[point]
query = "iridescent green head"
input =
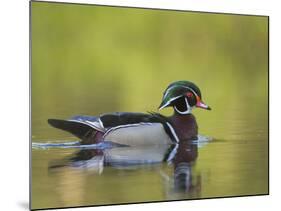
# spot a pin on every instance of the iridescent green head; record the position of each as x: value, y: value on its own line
x: 183, y: 96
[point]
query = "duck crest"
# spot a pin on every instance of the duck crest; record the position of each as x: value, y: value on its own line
x: 185, y: 126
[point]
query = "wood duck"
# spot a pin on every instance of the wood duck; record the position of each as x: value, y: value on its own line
x: 142, y: 128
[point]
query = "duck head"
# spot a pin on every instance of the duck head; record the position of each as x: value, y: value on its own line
x: 183, y: 96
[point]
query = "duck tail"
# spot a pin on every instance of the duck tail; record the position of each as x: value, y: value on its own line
x: 78, y: 129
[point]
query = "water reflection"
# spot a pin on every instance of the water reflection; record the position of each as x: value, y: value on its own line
x: 181, y: 156
x: 184, y: 161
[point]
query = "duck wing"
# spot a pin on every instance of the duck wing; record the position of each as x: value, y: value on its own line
x: 84, y: 127
x: 110, y: 120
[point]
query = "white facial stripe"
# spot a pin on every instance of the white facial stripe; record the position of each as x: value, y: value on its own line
x: 187, y: 104
x: 181, y: 86
x: 188, y: 111
x: 188, y: 108
x: 169, y: 101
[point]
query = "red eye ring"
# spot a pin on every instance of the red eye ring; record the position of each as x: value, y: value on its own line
x: 189, y: 94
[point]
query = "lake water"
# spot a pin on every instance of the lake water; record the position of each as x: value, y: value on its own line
x: 217, y: 167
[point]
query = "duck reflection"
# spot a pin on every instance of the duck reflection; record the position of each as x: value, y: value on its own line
x: 183, y: 162
x: 181, y: 156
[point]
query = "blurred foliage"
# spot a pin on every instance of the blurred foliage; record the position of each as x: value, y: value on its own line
x: 94, y: 59
x: 97, y: 59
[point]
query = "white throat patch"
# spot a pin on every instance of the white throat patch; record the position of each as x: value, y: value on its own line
x: 188, y: 108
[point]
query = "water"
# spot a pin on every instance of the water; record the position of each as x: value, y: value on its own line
x: 70, y: 175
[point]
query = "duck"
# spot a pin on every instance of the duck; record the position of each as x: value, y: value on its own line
x: 134, y: 129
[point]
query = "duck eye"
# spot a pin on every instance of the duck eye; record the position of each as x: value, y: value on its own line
x: 189, y: 94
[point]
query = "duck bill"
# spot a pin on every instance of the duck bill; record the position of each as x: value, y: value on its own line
x: 200, y: 104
